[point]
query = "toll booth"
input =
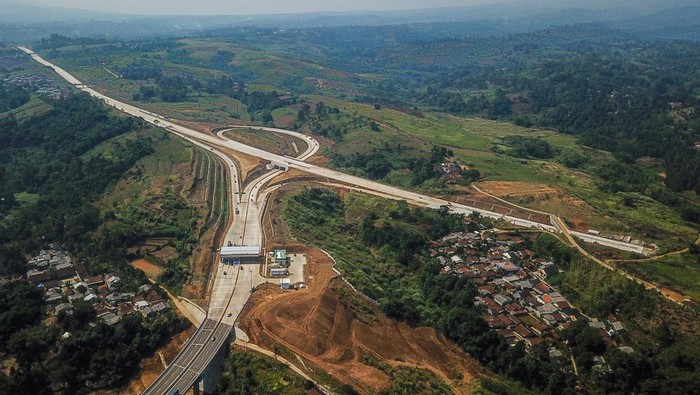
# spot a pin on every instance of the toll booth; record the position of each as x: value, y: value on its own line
x: 233, y: 255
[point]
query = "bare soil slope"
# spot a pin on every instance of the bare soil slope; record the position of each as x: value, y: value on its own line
x: 319, y: 327
x: 546, y: 198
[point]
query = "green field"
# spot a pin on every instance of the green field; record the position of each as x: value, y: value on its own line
x: 471, y: 139
x: 269, y: 141
x: 34, y: 106
x: 23, y: 198
x: 681, y: 272
x: 252, y: 373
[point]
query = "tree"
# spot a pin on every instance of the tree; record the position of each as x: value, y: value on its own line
x: 277, y: 350
x: 500, y: 105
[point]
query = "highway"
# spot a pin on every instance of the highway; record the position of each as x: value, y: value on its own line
x: 368, y: 186
x: 229, y: 293
x: 353, y: 181
x: 202, y: 347
x: 232, y: 285
x: 312, y: 144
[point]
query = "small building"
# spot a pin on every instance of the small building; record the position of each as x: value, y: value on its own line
x: 280, y: 258
x: 279, y: 272
x: 53, y: 296
x: 95, y: 280
x: 82, y: 272
x: 76, y: 296
x: 547, y: 308
x: 38, y: 276
x: 548, y: 269
x: 160, y: 306
x: 112, y: 282
x: 153, y: 297
x: 597, y: 324
x: 626, y: 349
x: 286, y: 284
x: 502, y: 300
x: 146, y: 311
x: 232, y: 255
x: 64, y: 271
x: 66, y: 308
x: 144, y: 288
x: 110, y: 318
x: 125, y: 308
x: 522, y: 332
x: 554, y: 353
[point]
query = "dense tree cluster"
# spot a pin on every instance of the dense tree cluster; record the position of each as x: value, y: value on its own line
x: 87, y: 359
x: 49, y: 155
x: 44, y: 155
x: 248, y: 374
x: 602, y: 94
x: 665, y: 360
x: 528, y: 147
x: 57, y: 41
x: 381, y: 161
x: 12, y: 97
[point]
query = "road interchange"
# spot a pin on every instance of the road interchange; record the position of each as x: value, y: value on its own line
x: 229, y: 292
x: 350, y: 180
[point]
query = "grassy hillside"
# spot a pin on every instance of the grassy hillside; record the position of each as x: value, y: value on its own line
x: 582, y: 182
x: 250, y: 373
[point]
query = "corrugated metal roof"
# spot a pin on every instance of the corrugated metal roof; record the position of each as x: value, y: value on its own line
x: 240, y: 251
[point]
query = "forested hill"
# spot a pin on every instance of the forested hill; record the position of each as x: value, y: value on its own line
x: 42, y: 157
x: 615, y: 89
x: 634, y: 98
x: 52, y: 169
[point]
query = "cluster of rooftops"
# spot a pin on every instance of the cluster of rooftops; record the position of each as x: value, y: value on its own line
x: 517, y: 300
x: 65, y: 282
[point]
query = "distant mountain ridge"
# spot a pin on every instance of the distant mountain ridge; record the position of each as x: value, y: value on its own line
x: 675, y: 19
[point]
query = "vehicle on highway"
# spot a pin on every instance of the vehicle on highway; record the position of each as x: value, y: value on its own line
x: 213, y: 338
x: 175, y: 391
x: 229, y: 314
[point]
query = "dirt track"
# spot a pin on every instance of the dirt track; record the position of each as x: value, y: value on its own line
x: 316, y: 326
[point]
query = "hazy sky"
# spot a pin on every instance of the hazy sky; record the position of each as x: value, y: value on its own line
x: 211, y: 7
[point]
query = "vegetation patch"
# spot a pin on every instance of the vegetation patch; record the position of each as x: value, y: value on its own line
x: 679, y: 271
x: 406, y: 379
x: 57, y: 184
x: 381, y: 248
x: 249, y: 373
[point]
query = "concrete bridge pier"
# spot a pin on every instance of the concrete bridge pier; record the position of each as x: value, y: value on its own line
x: 207, y: 382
